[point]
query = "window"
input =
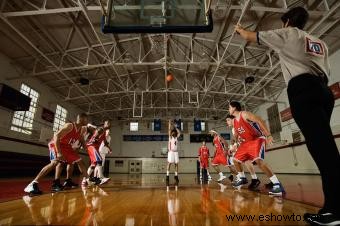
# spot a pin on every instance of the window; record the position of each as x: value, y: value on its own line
x: 274, y: 121
x: 202, y: 126
x: 134, y: 126
x: 59, y: 118
x: 23, y: 120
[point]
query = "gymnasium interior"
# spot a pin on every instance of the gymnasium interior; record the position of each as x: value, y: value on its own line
x: 103, y: 58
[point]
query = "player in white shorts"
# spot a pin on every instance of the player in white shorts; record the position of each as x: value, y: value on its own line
x: 173, y: 158
x: 104, y: 150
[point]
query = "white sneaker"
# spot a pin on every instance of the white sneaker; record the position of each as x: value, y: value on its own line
x: 209, y: 177
x: 29, y: 187
x: 221, y: 178
x: 201, y: 177
x: 104, y: 180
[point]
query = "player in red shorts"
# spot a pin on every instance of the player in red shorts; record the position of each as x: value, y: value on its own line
x: 221, y: 156
x: 93, y: 145
x: 203, y: 158
x: 61, y: 150
x: 255, y: 182
x: 252, y: 146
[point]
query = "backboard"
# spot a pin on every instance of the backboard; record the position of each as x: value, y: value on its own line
x: 157, y: 16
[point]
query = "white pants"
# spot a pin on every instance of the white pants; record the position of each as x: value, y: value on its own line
x: 173, y: 157
x: 103, y: 158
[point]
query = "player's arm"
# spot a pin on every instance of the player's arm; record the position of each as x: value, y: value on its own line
x: 169, y: 130
x: 249, y: 36
x: 106, y: 140
x: 61, y: 133
x: 178, y: 132
x: 82, y: 135
x: 250, y: 116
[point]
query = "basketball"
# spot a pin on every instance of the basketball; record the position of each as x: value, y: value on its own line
x: 169, y: 77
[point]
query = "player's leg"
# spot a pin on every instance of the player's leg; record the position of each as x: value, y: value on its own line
x: 241, y: 177
x: 277, y: 186
x: 176, y: 160
x: 33, y: 187
x: 56, y: 185
x: 99, y: 169
x: 82, y: 169
x: 255, y: 182
x: 171, y: 160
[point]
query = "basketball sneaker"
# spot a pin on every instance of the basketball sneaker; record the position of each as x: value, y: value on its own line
x: 33, y: 188
x: 69, y: 184
x: 231, y: 178
x: 269, y: 185
x: 97, y: 180
x: 222, y: 177
x: 254, y: 184
x: 322, y: 219
x: 240, y: 181
x: 104, y: 180
x: 56, y: 186
x: 277, y: 190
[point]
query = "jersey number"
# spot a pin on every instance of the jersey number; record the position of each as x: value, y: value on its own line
x: 240, y: 130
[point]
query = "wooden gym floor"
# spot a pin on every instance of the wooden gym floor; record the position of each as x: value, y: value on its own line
x: 145, y: 200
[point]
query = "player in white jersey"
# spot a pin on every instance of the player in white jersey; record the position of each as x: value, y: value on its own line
x: 173, y: 158
x: 305, y: 67
x: 103, y: 151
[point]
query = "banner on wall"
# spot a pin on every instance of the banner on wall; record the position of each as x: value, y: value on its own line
x: 47, y: 115
x: 286, y: 115
x: 140, y: 138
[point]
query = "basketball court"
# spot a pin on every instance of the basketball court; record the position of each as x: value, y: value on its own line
x: 131, y: 87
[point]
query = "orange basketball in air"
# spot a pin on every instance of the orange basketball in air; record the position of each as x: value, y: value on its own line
x: 169, y: 77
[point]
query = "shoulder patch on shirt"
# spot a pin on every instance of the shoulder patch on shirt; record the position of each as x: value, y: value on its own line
x: 314, y: 47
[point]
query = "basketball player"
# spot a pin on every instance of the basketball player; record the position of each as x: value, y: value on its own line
x: 203, y: 158
x: 103, y: 149
x: 93, y: 145
x: 255, y: 182
x: 69, y: 169
x: 305, y: 67
x: 252, y: 146
x: 173, y: 158
x: 60, y: 148
x: 221, y: 156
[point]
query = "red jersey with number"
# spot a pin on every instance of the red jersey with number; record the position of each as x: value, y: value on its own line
x: 203, y: 152
x: 96, y: 142
x: 70, y: 138
x: 219, y: 145
x: 247, y: 130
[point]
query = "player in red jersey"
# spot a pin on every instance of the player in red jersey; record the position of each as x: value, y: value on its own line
x: 253, y: 144
x: 93, y: 145
x: 255, y: 182
x: 69, y: 169
x: 221, y: 156
x: 61, y: 150
x: 203, y: 158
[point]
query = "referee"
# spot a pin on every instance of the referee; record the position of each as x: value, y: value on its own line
x: 305, y: 67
